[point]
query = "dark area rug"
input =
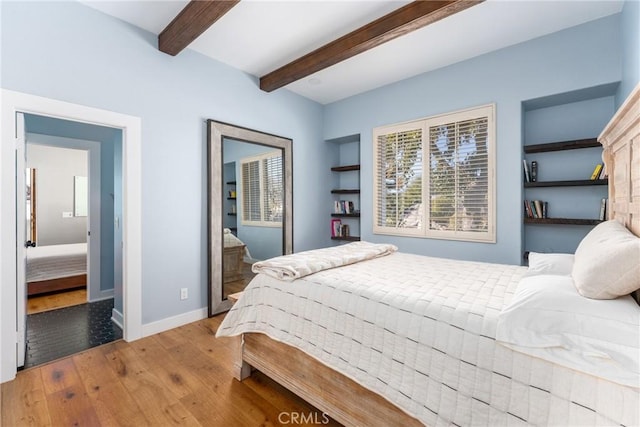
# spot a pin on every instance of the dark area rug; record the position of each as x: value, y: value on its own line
x: 65, y: 331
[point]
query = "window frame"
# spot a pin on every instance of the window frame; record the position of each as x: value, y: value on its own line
x: 424, y: 124
x: 251, y: 159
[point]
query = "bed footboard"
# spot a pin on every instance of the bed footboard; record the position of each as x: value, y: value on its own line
x: 54, y: 285
x: 338, y: 396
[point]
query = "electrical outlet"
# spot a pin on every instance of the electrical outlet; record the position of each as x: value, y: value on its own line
x: 184, y: 293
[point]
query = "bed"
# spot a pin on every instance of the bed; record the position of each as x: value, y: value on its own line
x: 56, y: 268
x: 233, y: 257
x: 425, y: 351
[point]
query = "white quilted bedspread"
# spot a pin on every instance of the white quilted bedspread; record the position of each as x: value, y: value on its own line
x: 56, y: 261
x: 420, y: 331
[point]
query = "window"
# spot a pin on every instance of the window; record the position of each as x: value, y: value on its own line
x: 262, y: 190
x: 435, y: 177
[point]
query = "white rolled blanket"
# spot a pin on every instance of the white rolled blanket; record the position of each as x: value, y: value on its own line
x: 294, y: 266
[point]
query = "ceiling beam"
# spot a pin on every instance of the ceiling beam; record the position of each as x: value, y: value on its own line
x: 402, y: 21
x: 196, y: 17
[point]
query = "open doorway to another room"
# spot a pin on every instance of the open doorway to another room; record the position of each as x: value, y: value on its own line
x: 74, y: 251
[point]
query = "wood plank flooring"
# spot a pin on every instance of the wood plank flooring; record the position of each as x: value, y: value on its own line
x: 178, y: 377
x: 53, y: 301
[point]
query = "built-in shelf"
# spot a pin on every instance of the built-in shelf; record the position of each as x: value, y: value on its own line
x: 564, y: 221
x: 346, y: 238
x: 232, y: 214
x: 343, y: 191
x: 231, y: 198
x: 346, y: 168
x: 560, y: 146
x: 231, y: 182
x: 574, y: 183
x: 345, y: 152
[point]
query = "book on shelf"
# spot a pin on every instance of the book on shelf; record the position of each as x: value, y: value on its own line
x: 525, y: 165
x: 536, y: 208
x: 596, y: 171
x: 343, y: 207
x: 344, y: 230
x: 527, y: 209
x: 534, y: 171
x: 603, y: 172
x: 336, y: 227
x: 603, y: 209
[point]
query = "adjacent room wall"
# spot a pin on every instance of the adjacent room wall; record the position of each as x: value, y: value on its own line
x: 56, y: 168
x: 580, y: 57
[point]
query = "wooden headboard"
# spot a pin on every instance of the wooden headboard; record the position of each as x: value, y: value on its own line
x: 621, y: 143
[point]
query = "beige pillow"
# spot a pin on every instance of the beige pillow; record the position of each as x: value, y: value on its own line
x: 607, y: 262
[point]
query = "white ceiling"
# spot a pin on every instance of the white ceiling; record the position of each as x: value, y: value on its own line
x: 259, y: 36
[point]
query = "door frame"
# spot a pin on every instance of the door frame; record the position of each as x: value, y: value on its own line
x: 13, y: 102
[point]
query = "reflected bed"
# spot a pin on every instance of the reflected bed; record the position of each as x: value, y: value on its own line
x: 56, y: 267
x: 234, y: 254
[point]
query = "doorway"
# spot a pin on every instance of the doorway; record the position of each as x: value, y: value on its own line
x: 10, y: 251
x: 71, y: 274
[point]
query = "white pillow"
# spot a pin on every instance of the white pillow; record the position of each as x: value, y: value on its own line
x: 560, y: 264
x: 607, y: 262
x: 547, y: 318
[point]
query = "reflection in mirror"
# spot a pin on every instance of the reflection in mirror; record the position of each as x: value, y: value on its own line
x: 250, y: 206
x: 253, y: 206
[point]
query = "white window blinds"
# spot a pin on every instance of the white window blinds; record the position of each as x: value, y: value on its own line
x: 399, y: 185
x: 458, y: 184
x: 273, y: 188
x: 262, y: 190
x: 435, y: 177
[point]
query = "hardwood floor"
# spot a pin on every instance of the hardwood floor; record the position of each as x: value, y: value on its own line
x: 178, y: 377
x: 40, y: 303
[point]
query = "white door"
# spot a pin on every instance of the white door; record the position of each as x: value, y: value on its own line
x: 22, y: 237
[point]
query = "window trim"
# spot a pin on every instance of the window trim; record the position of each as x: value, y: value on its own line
x: 258, y: 158
x: 488, y: 111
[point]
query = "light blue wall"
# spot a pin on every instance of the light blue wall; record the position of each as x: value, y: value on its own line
x: 68, y: 51
x: 580, y: 57
x: 630, y: 28
x: 117, y: 229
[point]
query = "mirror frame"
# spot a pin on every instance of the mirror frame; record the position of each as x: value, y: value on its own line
x: 216, y: 133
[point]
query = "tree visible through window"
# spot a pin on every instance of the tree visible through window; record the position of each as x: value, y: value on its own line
x: 262, y: 190
x: 450, y: 195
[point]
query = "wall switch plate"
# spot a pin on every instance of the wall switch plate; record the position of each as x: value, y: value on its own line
x: 67, y: 214
x: 184, y: 293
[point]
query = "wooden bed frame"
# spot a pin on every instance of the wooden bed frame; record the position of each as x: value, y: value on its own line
x: 351, y: 404
x: 54, y: 285
x: 232, y: 262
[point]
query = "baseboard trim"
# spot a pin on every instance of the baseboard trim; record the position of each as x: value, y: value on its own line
x: 174, y: 322
x: 117, y: 318
x: 109, y: 293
